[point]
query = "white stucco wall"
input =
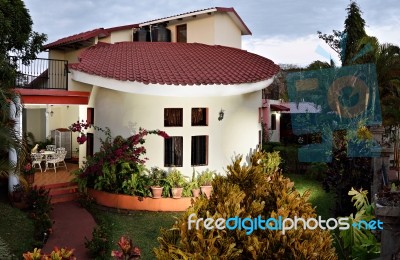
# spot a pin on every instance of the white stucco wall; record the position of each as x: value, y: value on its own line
x: 122, y: 36
x: 36, y: 123
x: 226, y: 32
x: 215, y: 29
x: 201, y: 30
x: 237, y: 133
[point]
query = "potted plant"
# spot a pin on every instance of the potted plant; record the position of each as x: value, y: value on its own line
x: 177, y: 181
x: 205, y: 179
x: 193, y: 186
x: 157, y: 177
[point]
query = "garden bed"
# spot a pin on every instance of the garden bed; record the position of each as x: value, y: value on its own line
x: 127, y: 202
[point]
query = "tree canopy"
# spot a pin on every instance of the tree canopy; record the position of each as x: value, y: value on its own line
x: 18, y: 40
x: 345, y: 42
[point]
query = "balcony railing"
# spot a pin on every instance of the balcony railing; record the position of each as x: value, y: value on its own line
x: 42, y: 74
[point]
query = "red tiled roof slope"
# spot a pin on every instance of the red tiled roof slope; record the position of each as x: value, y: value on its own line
x: 175, y: 63
x: 77, y: 38
x: 105, y: 32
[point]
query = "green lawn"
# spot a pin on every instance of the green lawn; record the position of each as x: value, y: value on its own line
x: 142, y: 227
x: 16, y: 229
x: 319, y: 198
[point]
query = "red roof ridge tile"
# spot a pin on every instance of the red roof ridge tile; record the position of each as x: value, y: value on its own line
x: 122, y: 27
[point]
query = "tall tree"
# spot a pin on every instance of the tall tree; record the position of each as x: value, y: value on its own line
x: 17, y: 41
x: 345, y: 42
x: 353, y: 32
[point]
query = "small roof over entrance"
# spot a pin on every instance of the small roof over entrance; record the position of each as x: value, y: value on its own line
x: 276, y: 107
x: 56, y: 97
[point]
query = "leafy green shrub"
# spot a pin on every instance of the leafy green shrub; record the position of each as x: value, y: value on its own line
x: 157, y: 176
x: 205, y: 177
x: 247, y: 191
x: 192, y: 184
x: 343, y: 174
x: 176, y: 179
x: 99, y: 246
x: 317, y: 170
x: 288, y: 155
x: 40, y: 208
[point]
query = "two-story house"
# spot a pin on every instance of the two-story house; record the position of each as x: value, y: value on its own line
x: 185, y: 74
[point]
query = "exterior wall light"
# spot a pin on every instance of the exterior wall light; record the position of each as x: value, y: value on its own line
x: 221, y: 115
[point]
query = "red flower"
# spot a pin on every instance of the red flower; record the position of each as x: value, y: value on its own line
x: 81, y: 139
x: 125, y: 243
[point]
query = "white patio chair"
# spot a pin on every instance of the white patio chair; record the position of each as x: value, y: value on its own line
x: 60, y: 149
x: 52, y: 160
x: 37, y: 159
x: 51, y: 147
x: 61, y: 159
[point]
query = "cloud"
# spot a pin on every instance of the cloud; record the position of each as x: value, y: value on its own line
x: 300, y: 51
x: 386, y: 33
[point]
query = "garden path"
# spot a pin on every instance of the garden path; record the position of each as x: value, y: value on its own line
x: 72, y: 223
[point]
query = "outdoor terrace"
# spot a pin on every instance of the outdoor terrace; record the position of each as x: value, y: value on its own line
x: 41, y: 74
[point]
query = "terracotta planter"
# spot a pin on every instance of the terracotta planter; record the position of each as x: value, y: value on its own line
x: 206, y: 190
x: 176, y: 193
x: 156, y: 192
x: 127, y: 202
x: 196, y: 193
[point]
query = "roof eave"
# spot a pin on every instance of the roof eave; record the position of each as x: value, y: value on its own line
x: 211, y: 90
x: 236, y: 18
x: 176, y: 17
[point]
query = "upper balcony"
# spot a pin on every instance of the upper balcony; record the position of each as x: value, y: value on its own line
x: 41, y: 74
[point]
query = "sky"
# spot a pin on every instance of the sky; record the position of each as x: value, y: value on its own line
x: 284, y: 31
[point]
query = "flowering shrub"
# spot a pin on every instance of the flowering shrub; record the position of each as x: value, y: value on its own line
x: 79, y: 127
x: 58, y: 253
x: 28, y: 169
x: 128, y: 251
x: 118, y: 166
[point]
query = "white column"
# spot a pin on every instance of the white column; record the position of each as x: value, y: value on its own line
x: 12, y: 155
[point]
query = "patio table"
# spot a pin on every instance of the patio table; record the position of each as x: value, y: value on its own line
x: 47, y: 153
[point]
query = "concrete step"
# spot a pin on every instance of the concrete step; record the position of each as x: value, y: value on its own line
x: 62, y: 192
x: 64, y: 198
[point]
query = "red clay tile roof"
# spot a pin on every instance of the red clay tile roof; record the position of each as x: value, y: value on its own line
x: 230, y: 10
x: 174, y: 63
x: 77, y: 38
x: 105, y: 32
